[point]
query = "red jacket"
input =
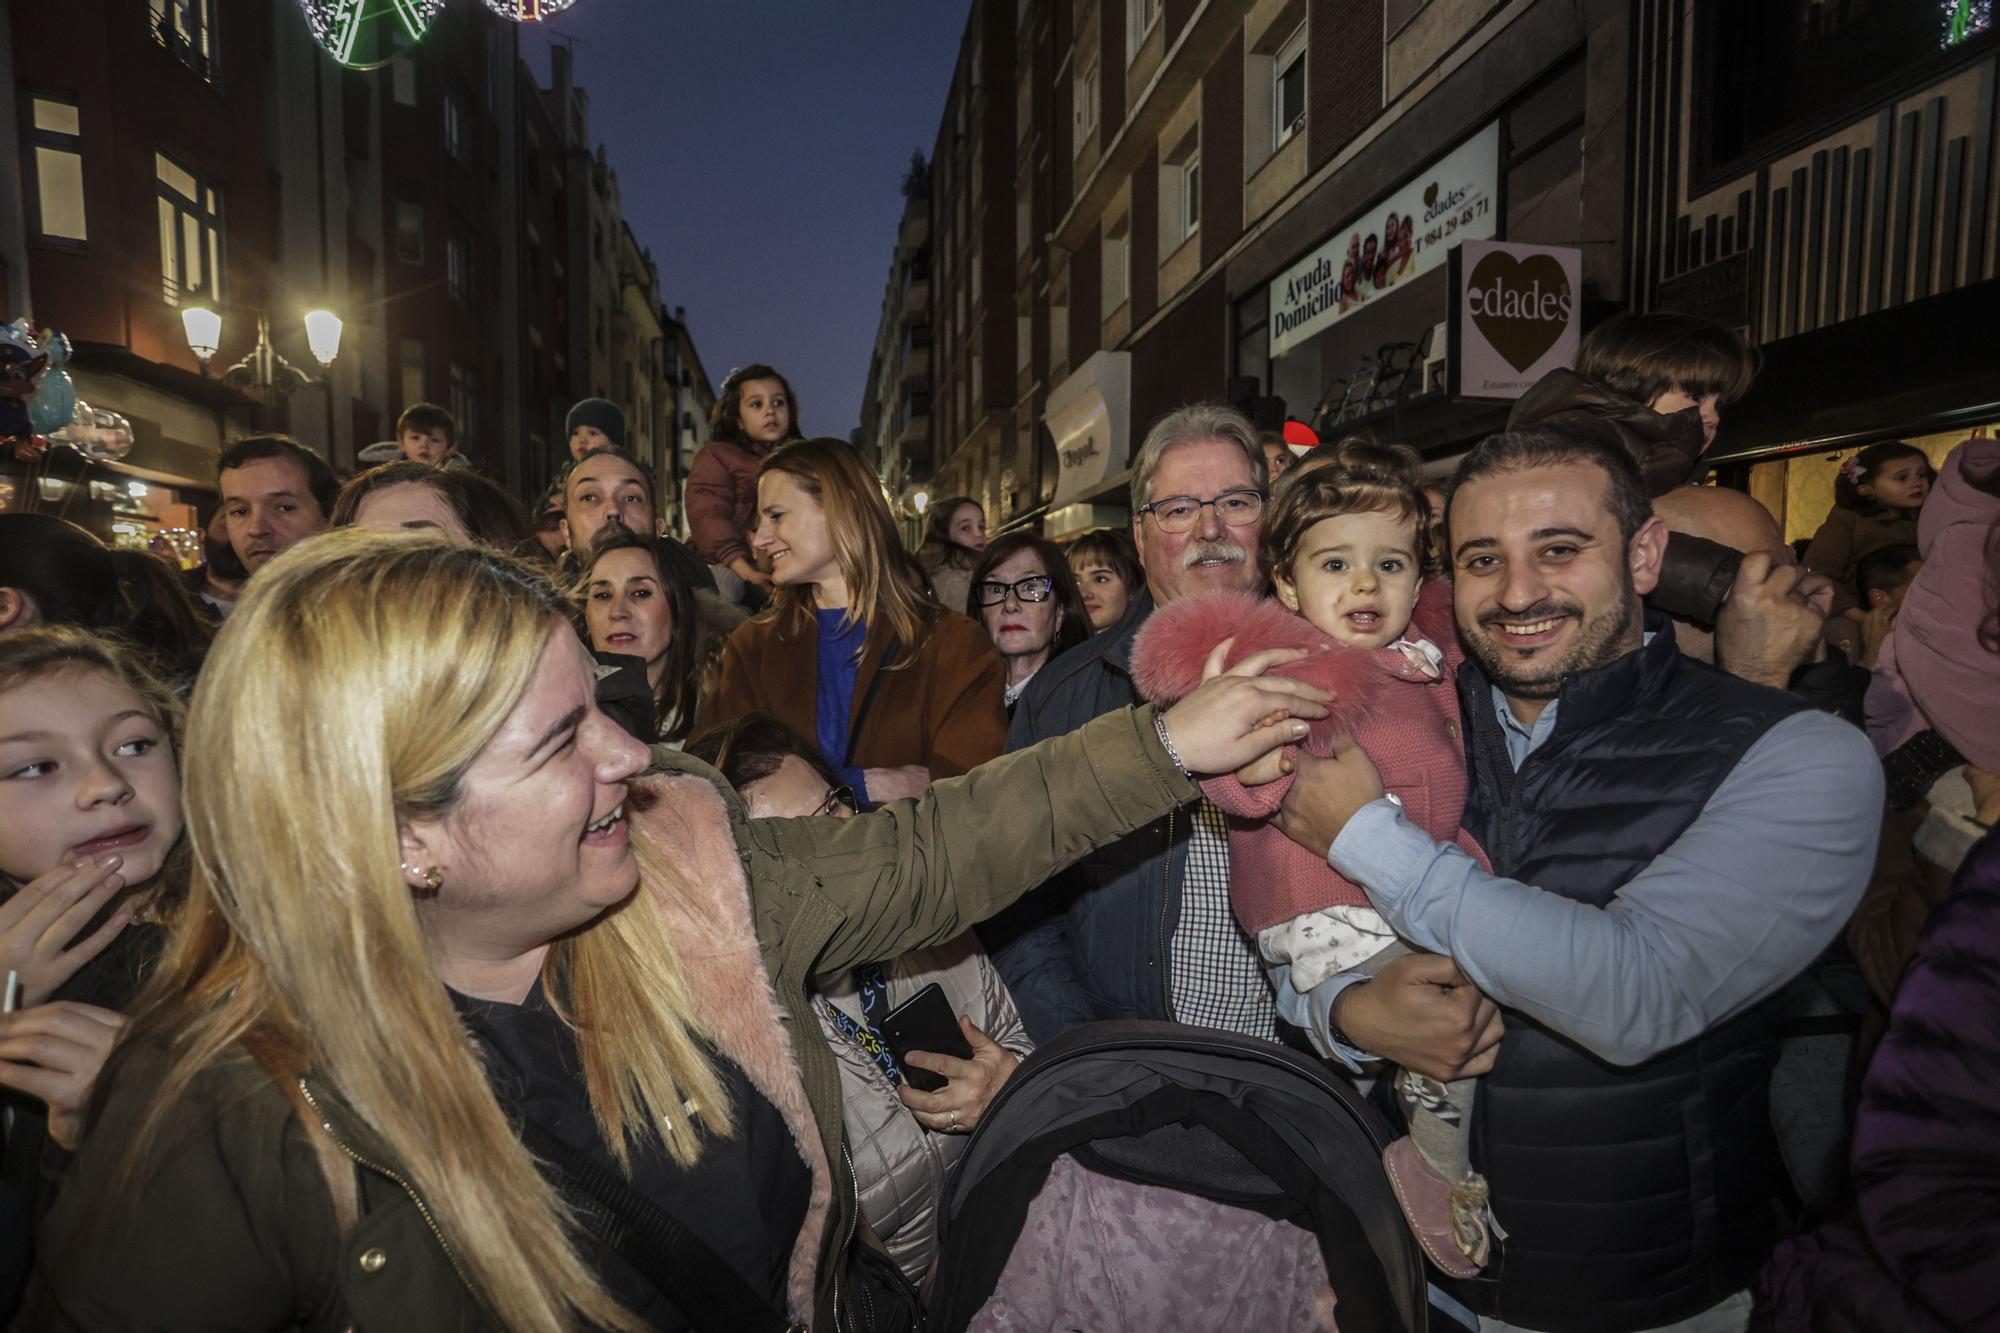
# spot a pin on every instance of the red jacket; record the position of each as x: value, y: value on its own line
x: 1406, y: 722
x: 720, y: 497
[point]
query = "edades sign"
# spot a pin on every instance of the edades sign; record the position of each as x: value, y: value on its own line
x: 1513, y: 315
x: 1393, y: 241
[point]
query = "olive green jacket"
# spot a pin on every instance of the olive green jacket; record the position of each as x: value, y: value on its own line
x: 233, y: 1225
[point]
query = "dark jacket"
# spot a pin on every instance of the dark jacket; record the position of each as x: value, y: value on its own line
x: 1667, y: 446
x: 1633, y: 1196
x: 1093, y: 944
x: 247, y: 1239
x: 1920, y: 1251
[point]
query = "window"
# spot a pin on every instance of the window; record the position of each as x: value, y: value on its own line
x: 411, y: 364
x: 1024, y: 328
x: 187, y: 28
x: 455, y: 140
x: 1117, y: 265
x: 403, y: 80
x: 1180, y: 192
x: 57, y: 187
x: 464, y: 401
x: 1024, y: 222
x: 1140, y: 16
x: 190, y: 233
x: 1084, y: 114
x: 458, y: 268
x: 409, y: 232
x: 1024, y: 110
x: 1288, y: 88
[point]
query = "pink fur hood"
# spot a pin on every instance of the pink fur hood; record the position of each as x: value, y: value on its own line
x: 1174, y: 644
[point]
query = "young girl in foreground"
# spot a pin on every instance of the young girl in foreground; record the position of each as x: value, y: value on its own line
x: 90, y: 824
x: 1344, y: 544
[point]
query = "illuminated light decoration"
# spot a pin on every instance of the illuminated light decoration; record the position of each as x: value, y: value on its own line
x: 1964, y: 20
x: 528, y: 11
x: 367, y: 34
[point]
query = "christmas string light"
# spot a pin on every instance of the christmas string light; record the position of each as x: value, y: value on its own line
x: 528, y: 11
x: 1965, y: 19
x: 365, y: 34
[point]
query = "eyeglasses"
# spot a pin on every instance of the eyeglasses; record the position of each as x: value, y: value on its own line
x: 1179, y: 513
x: 1035, y: 588
x: 835, y: 799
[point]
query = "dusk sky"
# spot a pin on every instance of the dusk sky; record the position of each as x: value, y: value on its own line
x: 759, y: 146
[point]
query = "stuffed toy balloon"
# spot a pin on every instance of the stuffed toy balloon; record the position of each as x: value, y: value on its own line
x: 21, y: 365
x: 54, y: 403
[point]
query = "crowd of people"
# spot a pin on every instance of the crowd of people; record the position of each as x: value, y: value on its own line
x: 429, y: 915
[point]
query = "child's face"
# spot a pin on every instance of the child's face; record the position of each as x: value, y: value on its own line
x: 766, y: 411
x: 1902, y: 484
x: 1355, y: 577
x: 425, y: 446
x: 85, y: 772
x: 585, y: 438
x: 1677, y: 399
x: 1893, y: 597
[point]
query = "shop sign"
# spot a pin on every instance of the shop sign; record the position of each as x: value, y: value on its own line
x: 1089, y: 417
x: 1514, y: 315
x: 1394, y: 240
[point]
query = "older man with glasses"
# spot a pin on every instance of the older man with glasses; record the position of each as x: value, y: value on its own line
x: 1142, y: 929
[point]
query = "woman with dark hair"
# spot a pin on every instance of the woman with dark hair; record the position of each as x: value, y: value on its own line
x: 896, y: 690
x: 1108, y: 574
x: 456, y: 502
x: 755, y: 413
x: 54, y: 573
x: 1025, y: 595
x: 903, y: 1141
x: 635, y: 605
x: 953, y: 539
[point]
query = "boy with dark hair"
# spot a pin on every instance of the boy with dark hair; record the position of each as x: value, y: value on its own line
x: 1882, y: 577
x: 429, y: 434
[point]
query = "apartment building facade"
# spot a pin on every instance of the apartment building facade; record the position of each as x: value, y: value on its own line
x: 896, y: 411
x: 1126, y: 192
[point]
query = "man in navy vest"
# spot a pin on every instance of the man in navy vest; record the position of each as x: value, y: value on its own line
x: 1670, y: 846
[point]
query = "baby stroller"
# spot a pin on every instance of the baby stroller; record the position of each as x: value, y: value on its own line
x: 1165, y: 1122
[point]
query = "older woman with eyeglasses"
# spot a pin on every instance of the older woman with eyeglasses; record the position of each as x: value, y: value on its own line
x: 1025, y: 594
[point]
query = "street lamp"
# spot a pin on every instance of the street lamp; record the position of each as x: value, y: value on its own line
x: 263, y: 368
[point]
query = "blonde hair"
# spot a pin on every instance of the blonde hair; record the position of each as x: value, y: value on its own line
x: 29, y: 655
x: 351, y: 690
x: 885, y: 585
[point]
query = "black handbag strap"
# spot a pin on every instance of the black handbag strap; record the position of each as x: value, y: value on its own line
x: 868, y: 698
x: 703, y: 1286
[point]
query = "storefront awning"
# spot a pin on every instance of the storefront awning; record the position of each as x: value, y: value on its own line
x: 1917, y: 369
x: 1089, y: 416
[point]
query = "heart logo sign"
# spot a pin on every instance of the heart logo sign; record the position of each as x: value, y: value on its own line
x: 1431, y: 195
x: 1522, y: 306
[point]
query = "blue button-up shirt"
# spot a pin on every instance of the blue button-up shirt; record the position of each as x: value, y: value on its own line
x: 1736, y: 907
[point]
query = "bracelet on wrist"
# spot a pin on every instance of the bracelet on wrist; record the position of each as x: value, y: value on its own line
x: 1160, y: 725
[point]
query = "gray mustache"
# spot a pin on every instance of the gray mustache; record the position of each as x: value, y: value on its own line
x: 1201, y: 551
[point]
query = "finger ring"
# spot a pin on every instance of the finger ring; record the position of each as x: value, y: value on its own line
x: 954, y: 1122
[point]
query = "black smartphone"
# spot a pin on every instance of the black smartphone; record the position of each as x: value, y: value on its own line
x: 924, y: 1022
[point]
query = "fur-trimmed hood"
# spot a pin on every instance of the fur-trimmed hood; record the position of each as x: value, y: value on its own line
x: 1174, y: 645
x: 684, y: 821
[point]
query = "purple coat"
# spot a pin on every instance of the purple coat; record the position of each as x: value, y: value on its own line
x: 1933, y: 671
x: 1920, y: 1252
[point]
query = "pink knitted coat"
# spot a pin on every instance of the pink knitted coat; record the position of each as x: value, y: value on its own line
x: 1406, y: 722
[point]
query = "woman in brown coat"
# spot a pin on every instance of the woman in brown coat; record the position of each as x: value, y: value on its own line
x: 896, y: 691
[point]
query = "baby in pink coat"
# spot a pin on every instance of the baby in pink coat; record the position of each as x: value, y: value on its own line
x: 1344, y: 542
